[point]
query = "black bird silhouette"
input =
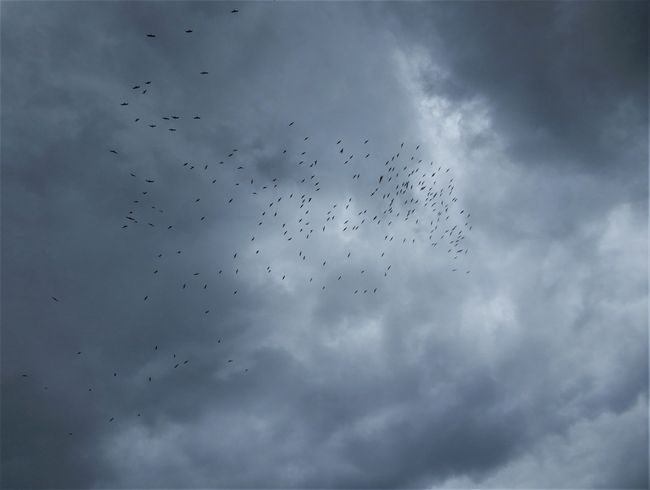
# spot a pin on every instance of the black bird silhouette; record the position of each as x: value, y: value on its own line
x: 234, y: 11
x: 114, y: 151
x: 151, y: 35
x: 204, y: 73
x: 124, y: 103
x: 55, y: 299
x: 188, y: 31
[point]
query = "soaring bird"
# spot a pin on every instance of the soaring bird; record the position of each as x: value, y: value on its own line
x: 234, y: 11
x: 151, y: 35
x: 55, y: 299
x: 188, y: 31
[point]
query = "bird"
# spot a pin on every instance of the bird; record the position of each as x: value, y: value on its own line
x: 151, y: 35
x: 55, y: 299
x: 188, y: 31
x: 234, y: 11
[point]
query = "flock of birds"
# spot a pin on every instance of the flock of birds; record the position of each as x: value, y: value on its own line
x: 402, y: 199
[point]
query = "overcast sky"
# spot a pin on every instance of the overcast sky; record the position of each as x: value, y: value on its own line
x: 505, y: 348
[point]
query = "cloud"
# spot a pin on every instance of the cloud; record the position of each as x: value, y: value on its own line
x: 439, y: 378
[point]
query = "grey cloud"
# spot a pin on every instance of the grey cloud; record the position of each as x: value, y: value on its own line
x: 431, y: 380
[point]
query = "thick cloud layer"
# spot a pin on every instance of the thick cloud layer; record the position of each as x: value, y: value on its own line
x: 528, y: 371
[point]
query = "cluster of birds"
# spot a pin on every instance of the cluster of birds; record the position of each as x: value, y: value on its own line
x: 404, y: 199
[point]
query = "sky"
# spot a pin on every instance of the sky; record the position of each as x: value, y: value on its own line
x: 386, y: 245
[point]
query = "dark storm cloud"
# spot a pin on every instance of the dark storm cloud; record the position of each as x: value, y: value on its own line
x: 562, y: 78
x: 436, y: 379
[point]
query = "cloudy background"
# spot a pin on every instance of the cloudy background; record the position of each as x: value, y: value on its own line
x: 531, y: 371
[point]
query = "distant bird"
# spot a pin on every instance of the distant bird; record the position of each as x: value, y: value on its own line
x: 114, y: 151
x: 234, y: 11
x: 204, y: 73
x: 291, y: 123
x: 188, y: 31
x: 124, y: 103
x: 55, y: 299
x: 151, y: 35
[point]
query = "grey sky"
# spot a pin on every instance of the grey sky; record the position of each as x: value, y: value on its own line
x: 531, y: 371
